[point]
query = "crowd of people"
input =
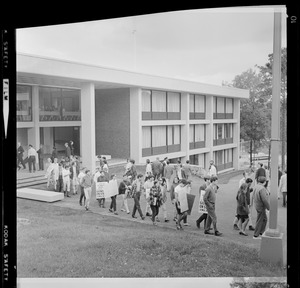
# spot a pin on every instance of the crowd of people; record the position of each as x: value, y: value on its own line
x: 162, y: 178
x: 254, y: 192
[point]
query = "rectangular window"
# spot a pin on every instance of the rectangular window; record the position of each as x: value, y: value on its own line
x: 220, y: 131
x: 192, y: 103
x: 170, y: 135
x: 199, y: 104
x: 199, y: 132
x: 159, y: 101
x: 220, y: 105
x: 173, y: 102
x: 159, y: 136
x: 202, y: 160
x: 192, y: 133
x: 215, y: 132
x: 176, y: 135
x: 146, y: 100
x: 229, y: 105
x: 24, y: 103
x: 146, y: 137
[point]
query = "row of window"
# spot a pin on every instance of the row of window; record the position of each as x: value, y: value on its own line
x: 222, y: 134
x: 55, y: 104
x: 167, y: 139
x: 162, y: 105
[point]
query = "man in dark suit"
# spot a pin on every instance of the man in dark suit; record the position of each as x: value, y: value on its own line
x: 68, y: 151
x: 20, y: 151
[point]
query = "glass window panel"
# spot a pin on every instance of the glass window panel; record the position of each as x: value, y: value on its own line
x: 146, y: 137
x: 215, y: 104
x: 199, y: 103
x: 146, y: 101
x: 70, y: 99
x: 220, y: 131
x: 173, y: 102
x: 159, y: 103
x: 159, y: 135
x: 199, y: 132
x: 170, y: 135
x: 215, y: 132
x: 202, y: 160
x: 24, y: 103
x: 220, y: 157
x: 220, y: 105
x: 192, y: 127
x: 176, y: 134
x: 192, y: 103
x: 229, y: 105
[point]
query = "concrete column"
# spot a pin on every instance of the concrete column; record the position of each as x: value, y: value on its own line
x: 34, y: 132
x: 209, y: 129
x: 136, y: 134
x: 185, y: 129
x: 88, y: 144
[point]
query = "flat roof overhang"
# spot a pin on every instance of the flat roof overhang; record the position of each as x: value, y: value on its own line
x: 44, y: 71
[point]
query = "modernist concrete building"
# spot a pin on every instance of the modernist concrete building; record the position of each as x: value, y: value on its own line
x: 126, y: 114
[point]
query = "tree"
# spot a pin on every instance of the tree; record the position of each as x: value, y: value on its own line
x: 266, y: 88
x: 255, y: 111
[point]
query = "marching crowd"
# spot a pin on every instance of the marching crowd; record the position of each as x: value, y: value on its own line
x: 161, y: 179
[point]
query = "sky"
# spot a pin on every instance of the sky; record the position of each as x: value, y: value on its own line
x: 202, y: 45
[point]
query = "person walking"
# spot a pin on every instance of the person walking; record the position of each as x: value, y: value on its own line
x: 154, y: 200
x: 157, y: 168
x: 32, y: 155
x: 40, y: 153
x: 72, y: 148
x: 283, y: 188
x: 163, y: 189
x: 261, y: 204
x: 172, y: 196
x: 123, y: 190
x: 66, y: 180
x: 202, y: 207
x: 48, y: 174
x: 178, y: 169
x: 74, y: 171
x: 212, y: 170
x: 67, y: 151
x: 147, y: 186
x: 148, y: 168
x: 181, y: 202
x: 87, y: 186
x: 113, y: 204
x: 80, y: 187
x: 242, y: 209
x: 54, y: 154
x: 137, y: 186
x: 55, y: 172
x: 60, y: 181
x: 168, y: 172
x: 133, y: 172
x: 260, y: 172
x: 102, y: 178
x: 267, y: 176
x: 20, y: 152
x: 210, y: 201
x: 186, y: 170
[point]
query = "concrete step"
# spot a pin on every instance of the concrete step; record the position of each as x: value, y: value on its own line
x: 31, y: 183
x: 39, y: 195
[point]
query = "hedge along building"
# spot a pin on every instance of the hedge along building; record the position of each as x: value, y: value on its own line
x: 126, y: 114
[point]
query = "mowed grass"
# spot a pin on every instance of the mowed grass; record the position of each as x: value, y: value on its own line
x: 60, y: 242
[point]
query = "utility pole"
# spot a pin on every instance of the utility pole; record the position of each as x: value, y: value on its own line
x: 271, y: 248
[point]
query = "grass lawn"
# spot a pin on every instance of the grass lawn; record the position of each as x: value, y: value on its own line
x: 60, y: 242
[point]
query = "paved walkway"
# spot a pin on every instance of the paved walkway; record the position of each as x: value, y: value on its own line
x: 225, y: 210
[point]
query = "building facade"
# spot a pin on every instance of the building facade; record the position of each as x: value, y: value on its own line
x: 125, y: 114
